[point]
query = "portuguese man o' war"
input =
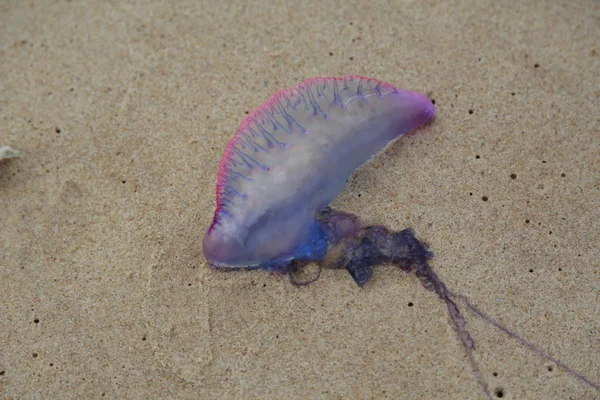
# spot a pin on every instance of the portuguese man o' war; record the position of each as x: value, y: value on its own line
x: 287, y: 162
x: 291, y: 157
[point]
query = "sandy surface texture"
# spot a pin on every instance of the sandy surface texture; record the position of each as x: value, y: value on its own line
x: 122, y: 109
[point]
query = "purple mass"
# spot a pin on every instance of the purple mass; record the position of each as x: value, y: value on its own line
x: 290, y: 158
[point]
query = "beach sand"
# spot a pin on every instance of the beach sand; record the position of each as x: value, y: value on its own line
x: 122, y: 109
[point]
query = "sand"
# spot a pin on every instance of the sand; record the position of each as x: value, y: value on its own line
x: 122, y: 109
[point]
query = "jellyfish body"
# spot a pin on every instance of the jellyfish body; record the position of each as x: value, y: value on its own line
x: 291, y: 157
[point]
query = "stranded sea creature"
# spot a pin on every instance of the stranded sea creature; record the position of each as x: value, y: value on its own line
x: 290, y: 158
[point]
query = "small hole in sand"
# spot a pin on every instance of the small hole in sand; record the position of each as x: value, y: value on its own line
x: 499, y: 392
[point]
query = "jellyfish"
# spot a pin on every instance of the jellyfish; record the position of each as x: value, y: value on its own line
x: 288, y: 161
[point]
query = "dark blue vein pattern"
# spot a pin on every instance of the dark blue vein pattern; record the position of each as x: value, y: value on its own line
x: 299, y: 117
